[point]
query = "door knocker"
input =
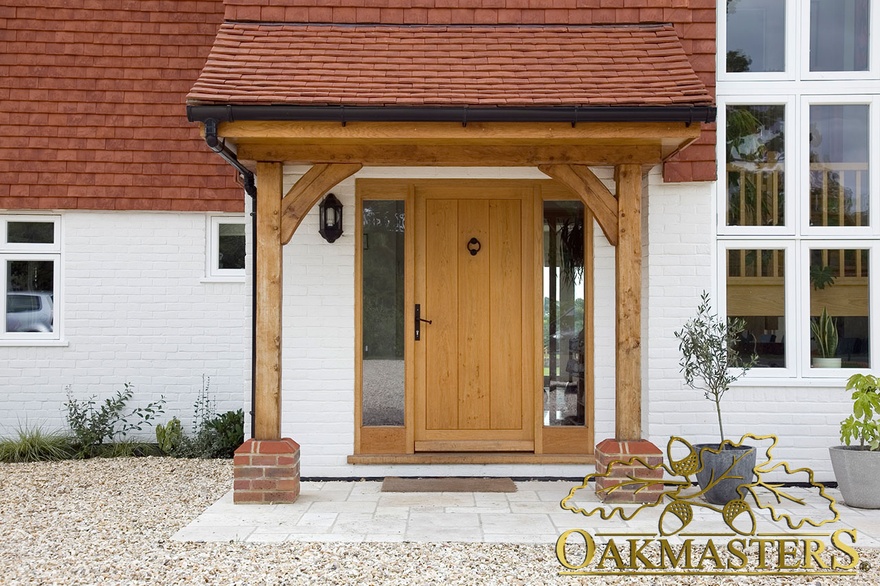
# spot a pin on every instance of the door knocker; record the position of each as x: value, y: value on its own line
x: 474, y: 246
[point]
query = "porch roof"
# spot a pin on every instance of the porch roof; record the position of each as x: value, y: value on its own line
x: 486, y: 67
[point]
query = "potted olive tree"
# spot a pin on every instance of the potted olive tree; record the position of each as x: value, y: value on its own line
x: 857, y: 467
x: 825, y: 333
x: 710, y: 363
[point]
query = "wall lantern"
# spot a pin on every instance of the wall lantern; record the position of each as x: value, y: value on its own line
x: 330, y: 218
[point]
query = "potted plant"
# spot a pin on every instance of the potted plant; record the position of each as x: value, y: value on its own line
x: 710, y: 363
x: 825, y: 333
x: 857, y: 467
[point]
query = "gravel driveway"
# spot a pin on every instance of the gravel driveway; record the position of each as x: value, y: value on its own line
x: 108, y: 521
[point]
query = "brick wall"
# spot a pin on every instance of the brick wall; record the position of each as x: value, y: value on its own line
x: 134, y: 309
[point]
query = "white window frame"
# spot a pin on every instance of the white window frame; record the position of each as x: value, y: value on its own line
x: 32, y: 252
x: 798, y: 89
x: 213, y: 272
x: 804, y: 291
x: 790, y: 46
x: 873, y: 50
x: 787, y: 246
x: 790, y: 164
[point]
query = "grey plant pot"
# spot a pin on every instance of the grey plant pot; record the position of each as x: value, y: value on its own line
x: 740, y: 460
x: 857, y: 472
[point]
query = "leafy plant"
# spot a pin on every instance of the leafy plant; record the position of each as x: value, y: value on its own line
x: 709, y: 361
x: 864, y: 424
x: 229, y: 430
x: 93, y: 425
x: 825, y: 332
x: 169, y: 437
x: 32, y: 444
x: 821, y: 277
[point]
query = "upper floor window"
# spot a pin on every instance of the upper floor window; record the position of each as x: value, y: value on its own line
x: 839, y: 35
x: 755, y: 35
x: 30, y: 260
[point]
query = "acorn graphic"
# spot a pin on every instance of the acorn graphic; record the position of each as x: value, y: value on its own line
x: 675, y: 517
x: 688, y: 465
x: 733, y: 516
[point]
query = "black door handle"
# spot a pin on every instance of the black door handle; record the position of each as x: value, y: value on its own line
x: 419, y: 321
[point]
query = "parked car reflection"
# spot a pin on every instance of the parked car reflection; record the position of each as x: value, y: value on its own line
x: 29, y: 311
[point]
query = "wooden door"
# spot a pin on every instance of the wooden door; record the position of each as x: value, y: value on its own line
x: 474, y: 361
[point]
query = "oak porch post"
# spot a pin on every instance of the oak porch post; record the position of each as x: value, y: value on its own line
x: 268, y: 272
x: 628, y: 405
x: 615, y: 458
x: 266, y: 468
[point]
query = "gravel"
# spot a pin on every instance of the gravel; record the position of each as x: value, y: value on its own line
x: 108, y: 521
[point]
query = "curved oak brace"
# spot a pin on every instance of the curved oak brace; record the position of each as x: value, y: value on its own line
x: 306, y: 192
x: 592, y: 191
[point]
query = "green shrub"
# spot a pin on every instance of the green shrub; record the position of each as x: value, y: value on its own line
x: 229, y: 430
x: 32, y: 444
x: 93, y: 425
x: 170, y: 437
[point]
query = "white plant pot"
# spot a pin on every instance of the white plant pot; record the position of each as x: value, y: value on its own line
x: 858, y: 476
x: 826, y: 362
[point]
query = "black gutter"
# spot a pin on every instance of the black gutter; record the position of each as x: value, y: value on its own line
x: 344, y: 114
x: 250, y: 187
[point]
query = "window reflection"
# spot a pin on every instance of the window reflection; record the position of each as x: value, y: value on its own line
x: 383, y: 312
x: 839, y: 172
x: 839, y: 35
x: 564, y: 319
x: 755, y: 35
x: 30, y: 295
x: 755, y: 165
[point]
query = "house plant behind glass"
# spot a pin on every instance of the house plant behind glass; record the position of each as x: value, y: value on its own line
x: 857, y: 467
x: 710, y: 363
x: 825, y: 333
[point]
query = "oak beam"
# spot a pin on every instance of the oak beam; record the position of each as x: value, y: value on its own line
x: 268, y: 275
x: 462, y: 155
x: 628, y: 403
x: 455, y: 132
x: 594, y: 194
x: 307, y: 191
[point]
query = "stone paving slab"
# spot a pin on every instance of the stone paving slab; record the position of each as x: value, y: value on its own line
x: 359, y: 512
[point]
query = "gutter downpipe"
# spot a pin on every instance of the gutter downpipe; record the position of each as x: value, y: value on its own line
x: 250, y: 187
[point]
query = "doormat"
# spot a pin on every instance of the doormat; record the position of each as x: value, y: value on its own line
x: 397, y: 484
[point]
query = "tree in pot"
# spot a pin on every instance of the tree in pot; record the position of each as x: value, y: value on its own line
x: 857, y: 467
x: 710, y: 363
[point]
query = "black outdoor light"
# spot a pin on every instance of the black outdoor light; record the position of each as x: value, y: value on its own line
x: 330, y: 218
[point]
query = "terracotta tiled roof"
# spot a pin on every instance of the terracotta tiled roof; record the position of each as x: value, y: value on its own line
x: 92, y: 106
x: 520, y: 66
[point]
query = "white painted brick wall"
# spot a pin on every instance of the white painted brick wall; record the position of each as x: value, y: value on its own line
x: 135, y: 308
x: 805, y: 415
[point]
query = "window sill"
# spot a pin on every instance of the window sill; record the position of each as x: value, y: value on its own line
x: 18, y: 343
x: 240, y: 279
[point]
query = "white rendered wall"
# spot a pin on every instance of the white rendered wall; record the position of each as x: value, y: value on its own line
x: 135, y: 307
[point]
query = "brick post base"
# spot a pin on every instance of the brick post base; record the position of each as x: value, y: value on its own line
x: 623, y: 452
x: 266, y: 471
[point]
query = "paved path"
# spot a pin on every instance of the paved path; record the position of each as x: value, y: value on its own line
x: 359, y: 511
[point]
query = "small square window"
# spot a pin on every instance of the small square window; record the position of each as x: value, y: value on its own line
x: 226, y: 248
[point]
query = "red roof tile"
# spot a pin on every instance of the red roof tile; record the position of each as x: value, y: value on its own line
x: 91, y: 106
x: 448, y: 66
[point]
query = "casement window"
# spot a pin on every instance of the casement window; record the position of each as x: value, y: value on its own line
x: 30, y: 258
x: 799, y: 139
x: 226, y: 248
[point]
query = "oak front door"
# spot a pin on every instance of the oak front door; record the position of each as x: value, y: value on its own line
x: 474, y: 353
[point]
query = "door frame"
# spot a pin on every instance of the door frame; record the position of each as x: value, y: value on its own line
x: 395, y: 444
